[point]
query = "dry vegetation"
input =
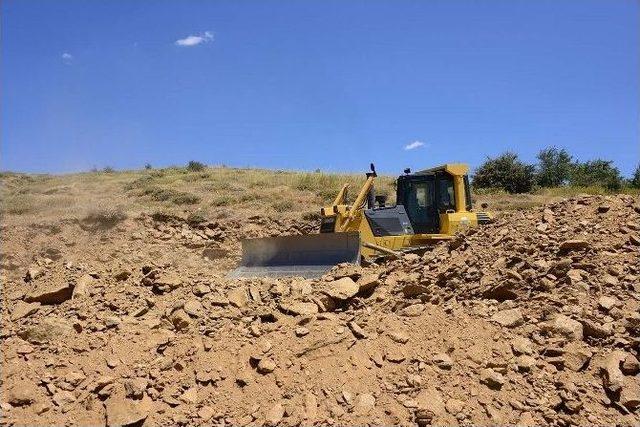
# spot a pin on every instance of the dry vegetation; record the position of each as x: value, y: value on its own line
x: 212, y: 192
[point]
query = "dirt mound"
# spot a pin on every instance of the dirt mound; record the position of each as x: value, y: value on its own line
x: 533, y: 319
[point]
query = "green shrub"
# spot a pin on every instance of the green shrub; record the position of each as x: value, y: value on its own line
x: 596, y: 172
x: 196, y: 217
x: 317, y: 181
x: 248, y: 197
x: 635, y: 179
x: 193, y: 177
x: 140, y: 182
x: 105, y: 216
x: 222, y: 200
x: 194, y: 166
x: 19, y: 205
x: 182, y: 198
x: 282, y: 205
x: 506, y: 172
x: 311, y: 216
x: 327, y: 195
x: 167, y: 194
x: 162, y: 216
x: 488, y: 191
x: 554, y: 167
x: 158, y: 194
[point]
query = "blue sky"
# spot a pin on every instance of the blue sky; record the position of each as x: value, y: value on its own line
x: 316, y: 84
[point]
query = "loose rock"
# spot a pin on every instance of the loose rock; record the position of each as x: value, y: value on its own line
x: 442, y: 361
x: 275, y: 414
x: 508, y: 318
x: 50, y: 293
x: 238, y: 297
x: 573, y: 245
x: 342, y: 289
x: 23, y: 309
x: 124, y: 412
x: 491, y: 379
x: 266, y: 366
x: 567, y: 327
x: 20, y: 393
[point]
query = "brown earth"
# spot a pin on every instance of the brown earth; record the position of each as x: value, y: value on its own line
x: 531, y: 320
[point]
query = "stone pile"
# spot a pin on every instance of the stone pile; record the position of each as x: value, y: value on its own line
x: 531, y: 320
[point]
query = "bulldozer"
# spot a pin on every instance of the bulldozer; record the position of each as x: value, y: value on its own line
x: 432, y: 205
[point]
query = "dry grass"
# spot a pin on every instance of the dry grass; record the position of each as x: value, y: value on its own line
x: 499, y: 200
x: 213, y: 192
x: 104, y: 216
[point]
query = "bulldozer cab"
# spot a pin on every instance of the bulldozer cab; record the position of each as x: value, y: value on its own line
x: 418, y: 196
x: 427, y: 194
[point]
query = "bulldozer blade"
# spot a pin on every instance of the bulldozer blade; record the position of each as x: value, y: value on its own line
x: 307, y: 256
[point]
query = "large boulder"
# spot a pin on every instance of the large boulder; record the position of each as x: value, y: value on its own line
x: 238, y: 297
x: 274, y: 415
x: 20, y: 393
x: 125, y: 412
x: 342, y: 289
x: 576, y: 355
x: 508, y: 318
x: 430, y: 406
x: 630, y: 393
x: 613, y: 377
x: 364, y: 404
x: 368, y: 282
x: 49, y: 329
x: 83, y: 286
x: 573, y: 245
x: 567, y: 327
x: 180, y: 319
x: 166, y: 282
x: 50, y: 293
x: 299, y: 308
x: 23, y: 309
x: 492, y: 379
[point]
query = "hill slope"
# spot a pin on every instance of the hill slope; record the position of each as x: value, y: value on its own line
x: 115, y: 310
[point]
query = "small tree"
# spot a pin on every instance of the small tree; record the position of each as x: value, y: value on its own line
x: 194, y: 166
x: 635, y: 179
x: 506, y: 172
x: 554, y: 167
x: 596, y: 172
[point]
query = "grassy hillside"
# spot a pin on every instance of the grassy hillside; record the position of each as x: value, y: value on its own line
x: 212, y: 192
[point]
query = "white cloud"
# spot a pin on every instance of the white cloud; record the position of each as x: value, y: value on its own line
x: 195, y: 40
x: 66, y: 57
x: 414, y: 145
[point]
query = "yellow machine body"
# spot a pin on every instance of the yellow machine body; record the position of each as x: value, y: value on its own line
x: 431, y: 206
x: 351, y: 218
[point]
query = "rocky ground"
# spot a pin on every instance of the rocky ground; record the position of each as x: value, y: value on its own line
x: 531, y: 320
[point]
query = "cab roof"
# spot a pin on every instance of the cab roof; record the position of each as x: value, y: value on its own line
x: 455, y: 169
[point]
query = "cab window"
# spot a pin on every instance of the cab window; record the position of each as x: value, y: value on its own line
x: 421, y: 195
x: 446, y: 197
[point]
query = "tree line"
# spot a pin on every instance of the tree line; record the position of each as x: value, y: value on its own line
x: 555, y: 168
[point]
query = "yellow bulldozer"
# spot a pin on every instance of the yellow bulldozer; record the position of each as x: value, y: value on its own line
x: 431, y: 206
